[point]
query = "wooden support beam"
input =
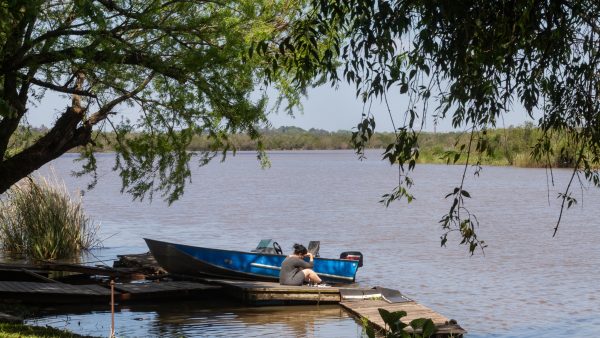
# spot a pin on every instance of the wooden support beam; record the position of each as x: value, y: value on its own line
x: 38, y: 276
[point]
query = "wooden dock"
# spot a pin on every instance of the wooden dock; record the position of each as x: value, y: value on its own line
x: 64, y: 267
x: 269, y: 293
x: 164, y: 290
x: 365, y: 303
x: 35, y: 292
x: 361, y: 302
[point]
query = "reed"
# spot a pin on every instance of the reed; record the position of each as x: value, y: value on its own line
x: 40, y: 220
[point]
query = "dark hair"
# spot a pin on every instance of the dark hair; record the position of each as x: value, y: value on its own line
x: 299, y: 249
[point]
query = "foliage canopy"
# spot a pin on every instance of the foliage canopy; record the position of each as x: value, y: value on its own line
x: 179, y: 63
x: 475, y: 61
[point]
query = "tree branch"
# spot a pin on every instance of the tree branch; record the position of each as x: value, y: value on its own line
x: 60, y: 32
x: 135, y: 58
x: 62, y: 89
x: 103, y: 112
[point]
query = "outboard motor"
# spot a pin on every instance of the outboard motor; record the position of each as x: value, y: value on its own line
x: 353, y: 255
x: 313, y: 247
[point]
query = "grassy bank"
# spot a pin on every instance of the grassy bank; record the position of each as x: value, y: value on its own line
x: 509, y: 146
x: 26, y: 331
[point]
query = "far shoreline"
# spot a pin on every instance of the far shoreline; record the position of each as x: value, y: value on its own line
x: 460, y: 162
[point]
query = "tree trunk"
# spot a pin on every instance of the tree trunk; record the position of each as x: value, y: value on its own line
x: 65, y: 135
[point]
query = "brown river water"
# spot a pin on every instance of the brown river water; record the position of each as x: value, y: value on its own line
x: 527, y: 284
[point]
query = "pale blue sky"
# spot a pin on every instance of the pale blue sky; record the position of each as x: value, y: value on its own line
x: 334, y: 109
x: 325, y: 107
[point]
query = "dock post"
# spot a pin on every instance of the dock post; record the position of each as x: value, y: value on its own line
x: 112, y: 308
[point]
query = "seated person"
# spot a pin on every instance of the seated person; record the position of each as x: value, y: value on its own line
x: 295, y: 270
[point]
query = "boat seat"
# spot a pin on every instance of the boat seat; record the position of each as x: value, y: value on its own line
x: 313, y: 247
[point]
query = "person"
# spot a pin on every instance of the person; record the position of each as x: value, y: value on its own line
x: 295, y: 270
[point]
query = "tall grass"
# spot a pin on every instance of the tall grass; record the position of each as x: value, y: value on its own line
x: 38, y: 219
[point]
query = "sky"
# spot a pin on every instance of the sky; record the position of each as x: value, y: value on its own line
x: 334, y: 109
x: 327, y: 108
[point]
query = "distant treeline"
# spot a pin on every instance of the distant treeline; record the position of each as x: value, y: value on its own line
x: 510, y: 146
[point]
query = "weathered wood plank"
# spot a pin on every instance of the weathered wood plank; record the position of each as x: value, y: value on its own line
x: 98, y: 290
x: 50, y: 292
x: 56, y: 288
x: 252, y: 286
x: 171, y: 290
x: 257, y: 292
x: 49, y: 266
x: 39, y: 277
x: 143, y: 288
x: 312, y: 297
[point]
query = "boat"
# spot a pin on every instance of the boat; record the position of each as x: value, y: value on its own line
x: 261, y: 264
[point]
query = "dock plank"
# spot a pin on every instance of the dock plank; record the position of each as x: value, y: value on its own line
x: 272, y: 286
x: 258, y: 292
x: 52, y: 288
x: 171, y: 290
x: 144, y: 288
x: 77, y: 268
x: 37, y: 292
x: 51, y: 292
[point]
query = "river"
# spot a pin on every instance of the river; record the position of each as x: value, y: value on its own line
x: 526, y: 284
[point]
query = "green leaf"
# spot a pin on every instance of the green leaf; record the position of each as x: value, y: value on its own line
x: 392, y: 319
x: 429, y: 328
x: 6, y: 110
x: 403, y: 88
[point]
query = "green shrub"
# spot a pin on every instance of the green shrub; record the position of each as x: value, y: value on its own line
x: 40, y: 220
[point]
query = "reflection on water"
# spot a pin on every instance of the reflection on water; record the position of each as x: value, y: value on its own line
x: 206, y: 319
x: 526, y: 283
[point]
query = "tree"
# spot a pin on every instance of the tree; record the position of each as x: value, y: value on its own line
x: 475, y: 60
x: 179, y: 63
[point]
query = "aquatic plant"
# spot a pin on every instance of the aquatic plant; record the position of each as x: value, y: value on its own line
x: 40, y: 220
x: 395, y: 328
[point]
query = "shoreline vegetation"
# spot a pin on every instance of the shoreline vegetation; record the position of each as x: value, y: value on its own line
x: 40, y: 220
x: 16, y: 330
x: 510, y: 146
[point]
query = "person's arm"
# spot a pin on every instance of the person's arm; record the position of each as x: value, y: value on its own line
x: 300, y: 263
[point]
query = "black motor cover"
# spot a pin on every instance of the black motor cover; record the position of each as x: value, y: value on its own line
x: 345, y: 254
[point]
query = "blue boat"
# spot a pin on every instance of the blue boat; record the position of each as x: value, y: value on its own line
x: 262, y: 264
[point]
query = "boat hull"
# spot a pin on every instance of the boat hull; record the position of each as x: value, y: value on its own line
x: 198, y: 261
